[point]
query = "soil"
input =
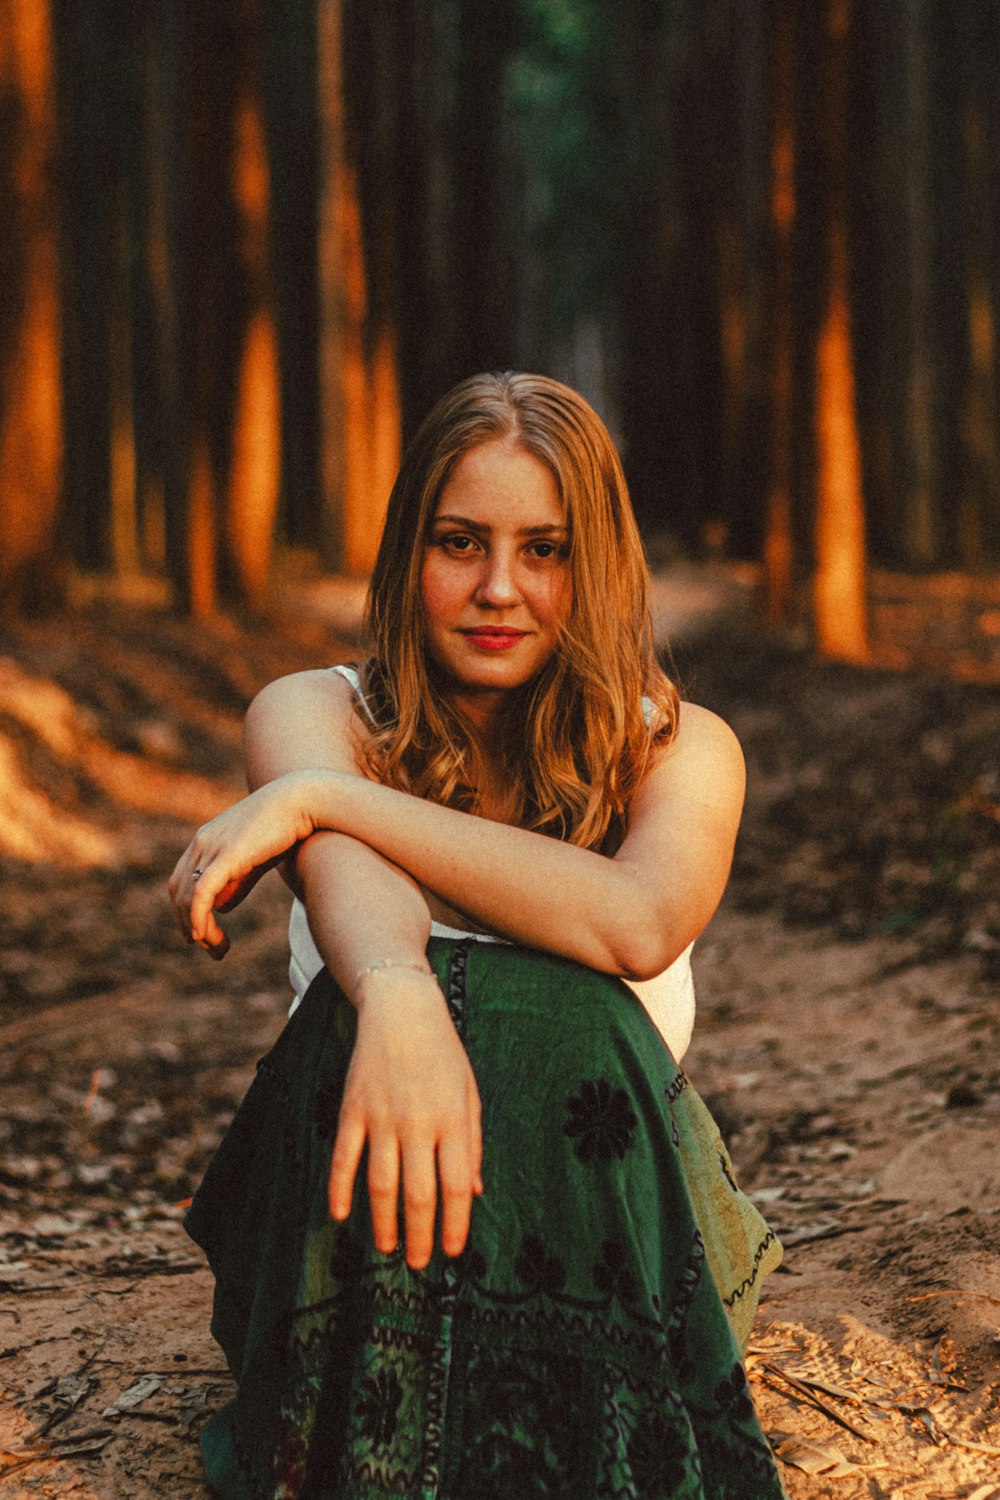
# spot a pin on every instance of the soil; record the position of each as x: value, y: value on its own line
x: 847, y: 1041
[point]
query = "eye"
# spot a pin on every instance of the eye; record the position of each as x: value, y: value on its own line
x: 546, y: 550
x: 458, y: 543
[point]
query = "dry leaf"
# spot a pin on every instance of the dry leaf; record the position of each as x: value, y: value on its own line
x: 814, y: 1456
x: 136, y: 1394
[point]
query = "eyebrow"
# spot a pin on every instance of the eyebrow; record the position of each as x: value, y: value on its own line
x: 544, y: 530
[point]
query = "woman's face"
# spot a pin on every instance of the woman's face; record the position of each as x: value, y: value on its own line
x: 495, y: 584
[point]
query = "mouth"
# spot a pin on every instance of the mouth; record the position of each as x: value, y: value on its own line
x: 493, y: 637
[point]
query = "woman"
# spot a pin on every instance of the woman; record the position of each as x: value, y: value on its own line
x: 502, y: 817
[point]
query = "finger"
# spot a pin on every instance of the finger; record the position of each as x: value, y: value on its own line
x: 215, y: 942
x: 456, y: 1193
x: 419, y: 1202
x: 208, y: 882
x: 383, y: 1190
x: 240, y: 886
x: 347, y: 1149
x: 174, y: 887
x: 476, y: 1140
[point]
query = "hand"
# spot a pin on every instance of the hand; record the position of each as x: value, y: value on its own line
x: 227, y: 856
x: 411, y: 1094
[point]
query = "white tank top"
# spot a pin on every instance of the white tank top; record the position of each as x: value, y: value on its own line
x: 669, y: 998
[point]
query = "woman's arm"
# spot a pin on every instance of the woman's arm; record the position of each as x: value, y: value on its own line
x: 631, y: 914
x: 410, y: 1092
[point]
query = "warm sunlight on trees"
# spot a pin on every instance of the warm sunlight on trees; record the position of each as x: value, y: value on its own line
x: 360, y: 404
x: 778, y: 551
x: 255, y: 468
x: 839, y: 591
x: 247, y: 246
x: 30, y: 387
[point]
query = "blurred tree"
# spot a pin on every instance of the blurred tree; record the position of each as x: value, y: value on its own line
x: 360, y: 405
x: 839, y: 583
x: 30, y: 388
x: 254, y: 479
x: 764, y: 240
x: 977, y: 543
x: 779, y: 545
x: 916, y: 323
x: 668, y: 282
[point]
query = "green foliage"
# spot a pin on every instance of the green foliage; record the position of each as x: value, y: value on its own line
x: 565, y: 116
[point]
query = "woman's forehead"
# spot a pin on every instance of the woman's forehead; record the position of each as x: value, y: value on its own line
x: 501, y: 475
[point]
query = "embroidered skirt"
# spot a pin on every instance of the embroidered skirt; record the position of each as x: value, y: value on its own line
x: 585, y: 1346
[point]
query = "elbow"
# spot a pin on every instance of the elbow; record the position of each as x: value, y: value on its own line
x: 644, y: 951
x: 637, y: 937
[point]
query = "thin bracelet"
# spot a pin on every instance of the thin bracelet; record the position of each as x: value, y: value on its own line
x: 392, y: 963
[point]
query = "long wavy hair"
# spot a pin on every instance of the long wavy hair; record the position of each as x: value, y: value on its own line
x: 579, y: 735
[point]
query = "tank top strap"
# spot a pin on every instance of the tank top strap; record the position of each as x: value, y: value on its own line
x: 353, y: 676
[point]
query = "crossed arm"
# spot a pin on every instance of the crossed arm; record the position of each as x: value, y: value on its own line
x: 365, y: 856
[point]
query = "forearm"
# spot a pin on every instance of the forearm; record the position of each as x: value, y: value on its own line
x: 410, y: 1096
x: 362, y: 909
x: 629, y: 914
x: 522, y: 885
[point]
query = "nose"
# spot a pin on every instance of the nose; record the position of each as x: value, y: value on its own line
x: 497, y: 587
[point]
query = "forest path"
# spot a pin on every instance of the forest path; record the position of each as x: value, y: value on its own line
x: 851, y: 1062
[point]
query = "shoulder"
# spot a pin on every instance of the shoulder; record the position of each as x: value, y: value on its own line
x: 700, y: 732
x: 307, y: 720
x: 703, y: 761
x: 322, y: 689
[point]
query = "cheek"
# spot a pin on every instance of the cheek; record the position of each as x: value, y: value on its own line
x: 438, y: 591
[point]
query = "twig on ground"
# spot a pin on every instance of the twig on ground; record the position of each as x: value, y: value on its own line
x: 806, y: 1389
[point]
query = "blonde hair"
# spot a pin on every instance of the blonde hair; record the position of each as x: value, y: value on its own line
x: 580, y: 736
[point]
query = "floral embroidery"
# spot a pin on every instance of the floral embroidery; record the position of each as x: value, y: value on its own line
x: 612, y: 1275
x: 539, y: 1271
x: 576, y: 1360
x: 733, y: 1395
x: 379, y: 1401
x: 602, y: 1121
x: 528, y: 1426
x: 656, y: 1455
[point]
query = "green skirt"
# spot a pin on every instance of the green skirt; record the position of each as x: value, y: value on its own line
x: 586, y: 1344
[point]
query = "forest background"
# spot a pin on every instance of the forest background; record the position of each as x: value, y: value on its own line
x: 248, y: 244
x: 245, y: 246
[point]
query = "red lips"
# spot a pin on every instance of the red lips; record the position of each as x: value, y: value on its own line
x: 493, y: 637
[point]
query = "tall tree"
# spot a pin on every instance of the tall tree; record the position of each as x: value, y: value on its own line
x: 254, y: 479
x: 778, y: 545
x: 978, y: 539
x: 668, y: 276
x: 920, y: 473
x: 839, y: 584
x: 30, y: 390
x: 359, y: 260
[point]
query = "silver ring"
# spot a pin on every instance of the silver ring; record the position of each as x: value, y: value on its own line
x: 195, y: 874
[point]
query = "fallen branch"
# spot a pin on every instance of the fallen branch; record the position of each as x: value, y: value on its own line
x: 806, y: 1389
x: 954, y: 1292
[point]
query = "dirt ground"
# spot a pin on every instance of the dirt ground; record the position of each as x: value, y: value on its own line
x: 847, y: 1041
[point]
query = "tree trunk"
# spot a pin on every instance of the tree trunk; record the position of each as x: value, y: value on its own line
x: 255, y: 465
x: 920, y: 531
x: 778, y: 548
x: 359, y: 391
x: 839, y: 586
x: 30, y: 383
x: 978, y: 536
